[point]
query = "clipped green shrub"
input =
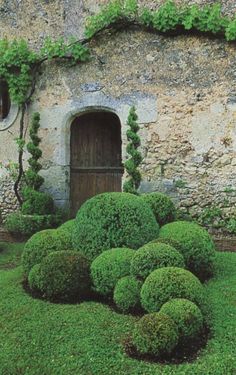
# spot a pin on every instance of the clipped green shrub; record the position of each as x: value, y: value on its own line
x: 127, y: 293
x: 40, y: 245
x: 26, y: 225
x: 155, y: 334
x: 197, y: 246
x: 186, y: 315
x: 153, y: 256
x: 37, y: 203
x: 62, y: 275
x: 111, y: 220
x: 168, y: 241
x: 109, y: 267
x: 162, y: 207
x: 67, y: 229
x: 166, y: 283
x: 34, y: 277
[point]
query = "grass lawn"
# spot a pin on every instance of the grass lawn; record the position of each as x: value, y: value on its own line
x: 41, y: 338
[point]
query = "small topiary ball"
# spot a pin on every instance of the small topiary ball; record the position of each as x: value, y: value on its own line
x: 111, y: 220
x: 40, y: 245
x: 127, y: 293
x: 186, y: 315
x: 162, y: 207
x: 155, y: 334
x: 109, y: 267
x: 153, y: 256
x: 61, y: 275
x: 197, y: 246
x: 168, y: 241
x: 67, y: 229
x: 166, y: 283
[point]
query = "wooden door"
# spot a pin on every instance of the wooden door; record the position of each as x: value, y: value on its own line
x: 95, y: 156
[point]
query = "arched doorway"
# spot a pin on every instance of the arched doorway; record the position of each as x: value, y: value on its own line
x: 96, y: 165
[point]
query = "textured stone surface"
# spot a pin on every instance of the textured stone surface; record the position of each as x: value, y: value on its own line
x: 183, y: 88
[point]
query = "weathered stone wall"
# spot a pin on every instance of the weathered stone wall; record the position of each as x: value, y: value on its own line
x: 8, y: 201
x: 183, y: 88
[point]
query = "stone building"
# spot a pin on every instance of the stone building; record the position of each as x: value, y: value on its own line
x: 183, y: 88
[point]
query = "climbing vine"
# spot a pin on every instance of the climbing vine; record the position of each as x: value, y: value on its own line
x: 131, y: 165
x: 20, y: 66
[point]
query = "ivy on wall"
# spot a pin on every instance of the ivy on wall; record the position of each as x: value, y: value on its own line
x: 20, y: 66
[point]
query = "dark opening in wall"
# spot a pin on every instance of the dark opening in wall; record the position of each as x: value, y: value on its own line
x: 5, y: 102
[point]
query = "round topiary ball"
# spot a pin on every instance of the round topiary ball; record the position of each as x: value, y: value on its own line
x: 153, y: 256
x: 62, y: 275
x: 113, y: 220
x: 109, y: 267
x: 166, y: 283
x: 168, y: 241
x: 186, y: 315
x: 127, y: 293
x: 40, y: 245
x: 155, y: 334
x: 67, y: 229
x: 197, y: 246
x: 162, y: 207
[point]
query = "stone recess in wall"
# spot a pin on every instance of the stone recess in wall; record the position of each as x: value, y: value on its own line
x: 55, y: 130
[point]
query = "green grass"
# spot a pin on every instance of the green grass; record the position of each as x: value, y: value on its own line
x: 41, y: 338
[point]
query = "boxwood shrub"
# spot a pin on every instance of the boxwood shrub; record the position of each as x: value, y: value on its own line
x: 197, y: 246
x: 40, y: 245
x: 62, y: 275
x: 113, y: 220
x: 109, y: 267
x: 168, y: 241
x: 162, y: 207
x: 127, y: 294
x: 187, y: 317
x: 166, y: 283
x: 155, y: 334
x: 37, y: 203
x: 26, y: 225
x: 153, y: 256
x: 67, y: 229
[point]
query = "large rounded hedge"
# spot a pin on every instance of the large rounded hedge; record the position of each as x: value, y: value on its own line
x: 127, y: 293
x: 153, y: 256
x: 197, y: 246
x: 62, y: 275
x: 109, y: 267
x: 166, y: 283
x: 155, y: 334
x: 186, y: 315
x: 162, y: 207
x: 40, y: 245
x: 112, y: 220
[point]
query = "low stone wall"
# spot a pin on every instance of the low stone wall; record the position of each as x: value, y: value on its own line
x: 8, y: 201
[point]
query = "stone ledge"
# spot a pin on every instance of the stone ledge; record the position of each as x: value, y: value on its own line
x: 5, y: 236
x: 225, y: 243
